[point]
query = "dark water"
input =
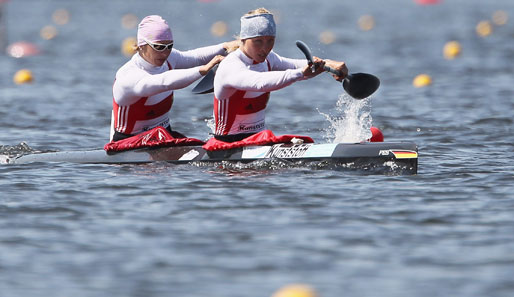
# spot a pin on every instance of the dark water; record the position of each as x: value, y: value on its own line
x: 165, y: 230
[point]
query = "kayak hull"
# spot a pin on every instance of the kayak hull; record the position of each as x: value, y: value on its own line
x: 402, y: 153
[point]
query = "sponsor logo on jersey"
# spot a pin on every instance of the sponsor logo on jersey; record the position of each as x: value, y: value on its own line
x: 251, y: 127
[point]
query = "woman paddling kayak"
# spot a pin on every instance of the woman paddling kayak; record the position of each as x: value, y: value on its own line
x: 143, y: 88
x: 246, y: 77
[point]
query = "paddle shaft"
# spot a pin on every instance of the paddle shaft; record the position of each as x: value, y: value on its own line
x: 307, y: 52
x: 332, y: 70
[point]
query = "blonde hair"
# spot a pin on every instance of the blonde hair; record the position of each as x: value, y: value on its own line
x: 234, y: 47
x: 257, y: 11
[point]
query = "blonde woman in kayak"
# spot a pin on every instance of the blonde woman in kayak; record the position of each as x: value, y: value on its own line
x: 143, y: 88
x: 246, y: 77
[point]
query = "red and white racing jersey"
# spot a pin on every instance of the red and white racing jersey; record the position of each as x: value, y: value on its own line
x: 143, y: 93
x: 242, y: 89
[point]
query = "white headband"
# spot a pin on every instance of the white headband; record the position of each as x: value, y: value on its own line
x: 257, y: 25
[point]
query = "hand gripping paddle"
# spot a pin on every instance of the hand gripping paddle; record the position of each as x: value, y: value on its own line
x: 357, y: 85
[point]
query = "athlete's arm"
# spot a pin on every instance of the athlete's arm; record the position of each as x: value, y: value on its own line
x: 129, y: 87
x: 278, y: 62
x: 195, y: 57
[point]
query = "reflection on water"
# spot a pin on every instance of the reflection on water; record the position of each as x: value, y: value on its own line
x: 363, y: 166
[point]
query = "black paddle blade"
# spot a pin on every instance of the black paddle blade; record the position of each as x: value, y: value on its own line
x: 361, y: 85
x: 206, y: 85
x: 357, y: 85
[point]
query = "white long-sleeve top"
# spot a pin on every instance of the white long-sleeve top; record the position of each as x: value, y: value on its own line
x: 138, y: 79
x: 238, y: 79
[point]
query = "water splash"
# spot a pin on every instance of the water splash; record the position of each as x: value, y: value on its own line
x: 211, y: 124
x: 10, y: 152
x: 350, y: 121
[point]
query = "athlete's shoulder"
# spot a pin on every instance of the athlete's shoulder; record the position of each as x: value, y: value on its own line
x: 232, y: 60
x: 235, y: 56
x: 130, y: 68
x: 175, y: 55
x: 272, y: 57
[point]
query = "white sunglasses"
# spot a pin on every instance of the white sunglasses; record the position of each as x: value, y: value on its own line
x: 159, y: 46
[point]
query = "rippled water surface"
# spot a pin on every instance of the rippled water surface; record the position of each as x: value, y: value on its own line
x: 229, y: 230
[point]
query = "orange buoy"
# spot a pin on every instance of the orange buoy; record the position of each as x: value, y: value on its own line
x: 366, y: 22
x: 500, y: 17
x: 451, y: 50
x: 484, y: 28
x: 128, y: 46
x: 422, y: 80
x: 219, y: 28
x: 327, y: 37
x: 48, y: 32
x: 61, y: 16
x: 129, y: 21
x: 22, y: 76
x: 295, y: 290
